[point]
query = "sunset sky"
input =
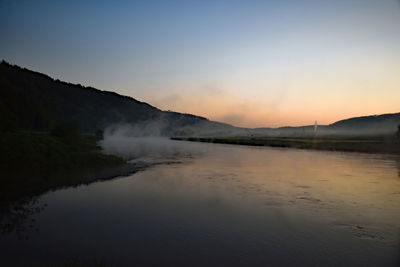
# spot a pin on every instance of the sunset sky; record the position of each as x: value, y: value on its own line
x: 248, y: 63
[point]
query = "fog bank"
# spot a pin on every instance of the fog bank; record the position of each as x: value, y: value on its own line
x: 145, y: 141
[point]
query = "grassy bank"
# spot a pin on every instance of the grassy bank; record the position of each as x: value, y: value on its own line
x: 40, y: 152
x: 378, y: 145
x: 31, y: 163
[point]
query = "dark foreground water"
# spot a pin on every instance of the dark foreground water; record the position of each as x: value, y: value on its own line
x: 225, y: 206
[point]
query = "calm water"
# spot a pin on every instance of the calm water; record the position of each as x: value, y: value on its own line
x: 224, y: 206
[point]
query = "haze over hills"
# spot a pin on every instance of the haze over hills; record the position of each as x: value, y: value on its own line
x: 34, y: 101
x: 374, y: 125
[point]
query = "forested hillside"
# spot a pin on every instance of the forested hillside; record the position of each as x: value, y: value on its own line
x: 34, y: 101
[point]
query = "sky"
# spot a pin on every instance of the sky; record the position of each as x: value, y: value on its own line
x: 247, y: 63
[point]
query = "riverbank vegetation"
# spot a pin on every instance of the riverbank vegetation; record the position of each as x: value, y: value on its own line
x: 32, y: 162
x: 389, y: 145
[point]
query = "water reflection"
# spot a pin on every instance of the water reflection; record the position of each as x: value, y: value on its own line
x: 20, y: 191
x: 235, y: 206
x: 18, y: 217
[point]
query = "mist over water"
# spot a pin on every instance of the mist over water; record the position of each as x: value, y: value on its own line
x: 145, y: 141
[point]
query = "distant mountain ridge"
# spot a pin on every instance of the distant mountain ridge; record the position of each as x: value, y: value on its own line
x: 372, y: 125
x: 366, y: 122
x: 34, y: 101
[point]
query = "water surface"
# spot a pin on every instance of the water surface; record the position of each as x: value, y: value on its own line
x: 225, y: 206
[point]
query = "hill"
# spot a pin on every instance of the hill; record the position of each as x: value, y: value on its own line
x: 384, y: 125
x: 369, y: 125
x: 33, y: 101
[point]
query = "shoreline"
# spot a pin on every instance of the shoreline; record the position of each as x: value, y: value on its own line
x: 46, y: 182
x: 18, y: 204
x: 379, y: 146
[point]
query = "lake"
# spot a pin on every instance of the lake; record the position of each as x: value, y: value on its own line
x: 222, y: 205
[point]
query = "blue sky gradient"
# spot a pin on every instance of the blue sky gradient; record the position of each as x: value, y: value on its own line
x: 250, y: 63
